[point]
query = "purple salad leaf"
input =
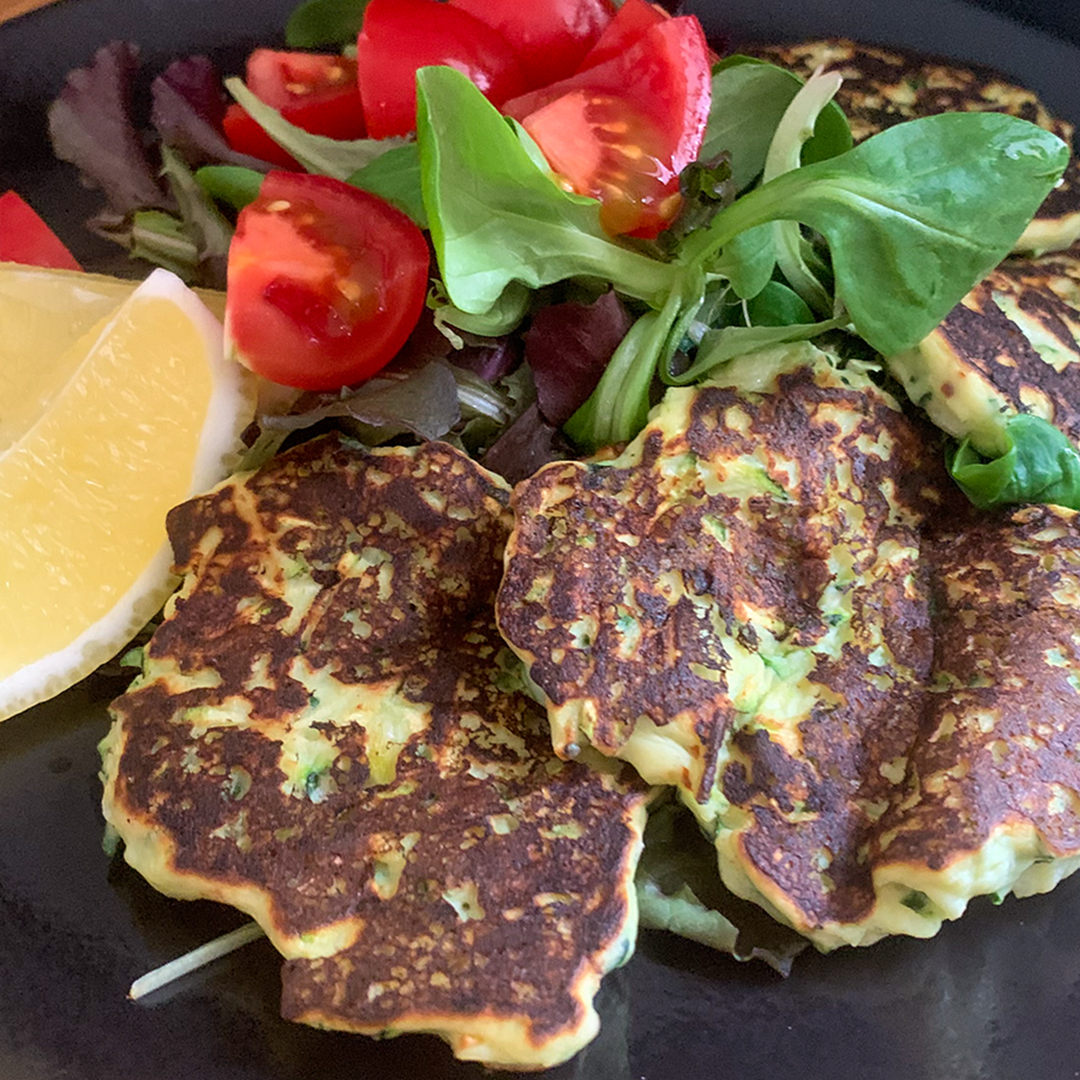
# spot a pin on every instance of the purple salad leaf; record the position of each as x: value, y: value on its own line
x: 489, y: 358
x: 187, y: 106
x: 527, y: 445
x: 91, y: 126
x: 568, y: 346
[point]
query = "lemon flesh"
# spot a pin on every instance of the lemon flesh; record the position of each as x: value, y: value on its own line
x: 142, y: 412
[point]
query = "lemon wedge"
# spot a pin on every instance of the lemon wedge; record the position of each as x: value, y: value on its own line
x: 98, y: 442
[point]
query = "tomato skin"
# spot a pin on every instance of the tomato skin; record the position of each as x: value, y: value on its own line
x: 550, y: 37
x: 622, y: 131
x: 400, y: 36
x: 326, y: 282
x: 315, y: 91
x: 25, y: 238
x: 318, y: 92
x: 246, y: 136
x: 632, y: 20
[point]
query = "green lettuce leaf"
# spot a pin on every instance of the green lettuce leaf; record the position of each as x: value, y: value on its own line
x: 1039, y: 465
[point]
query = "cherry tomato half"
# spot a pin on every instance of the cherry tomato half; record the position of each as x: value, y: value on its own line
x: 400, y: 36
x: 315, y: 91
x: 622, y: 131
x: 550, y: 37
x: 25, y: 238
x: 325, y: 282
x: 633, y: 19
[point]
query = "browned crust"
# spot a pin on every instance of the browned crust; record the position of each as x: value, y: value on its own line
x: 485, y: 877
x: 1000, y: 746
x: 980, y: 613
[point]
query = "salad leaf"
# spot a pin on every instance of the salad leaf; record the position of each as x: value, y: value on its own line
x: 339, y: 158
x: 747, y: 261
x: 230, y: 184
x: 91, y: 126
x: 209, y: 231
x: 705, y: 187
x: 777, y: 305
x: 725, y: 343
x: 619, y: 406
x: 422, y: 401
x: 161, y: 238
x: 749, y: 98
x: 503, y: 317
x: 187, y: 107
x: 568, y: 346
x: 496, y: 217
x: 527, y: 445
x: 395, y: 177
x: 316, y: 24
x: 1039, y: 465
x: 785, y: 155
x: 913, y: 216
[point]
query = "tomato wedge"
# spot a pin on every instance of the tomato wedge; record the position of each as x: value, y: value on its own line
x: 315, y: 91
x: 622, y: 131
x: 550, y: 37
x: 325, y: 282
x: 400, y: 36
x: 633, y: 19
x: 25, y: 238
x: 245, y: 135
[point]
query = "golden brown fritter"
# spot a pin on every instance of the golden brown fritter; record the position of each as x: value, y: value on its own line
x: 329, y: 734
x: 742, y: 605
x: 737, y: 606
x: 886, y: 86
x: 992, y: 796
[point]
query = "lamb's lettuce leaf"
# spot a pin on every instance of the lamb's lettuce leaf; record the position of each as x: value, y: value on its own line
x: 749, y: 98
x: 319, y: 24
x: 1039, y: 465
x: 913, y: 216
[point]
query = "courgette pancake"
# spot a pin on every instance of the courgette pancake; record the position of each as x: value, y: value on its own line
x: 1010, y: 347
x: 886, y: 86
x: 328, y: 734
x: 742, y: 605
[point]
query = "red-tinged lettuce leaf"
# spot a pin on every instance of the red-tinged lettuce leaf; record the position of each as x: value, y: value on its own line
x: 421, y: 401
x: 91, y: 126
x: 568, y: 346
x: 489, y: 358
x: 187, y: 106
x: 527, y: 445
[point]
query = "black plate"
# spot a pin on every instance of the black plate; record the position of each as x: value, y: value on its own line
x: 995, y: 996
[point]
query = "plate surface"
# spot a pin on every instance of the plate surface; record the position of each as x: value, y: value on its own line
x: 995, y: 996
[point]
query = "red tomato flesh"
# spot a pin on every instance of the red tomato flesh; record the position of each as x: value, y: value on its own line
x: 550, y: 37
x: 25, y: 238
x: 632, y: 20
x: 315, y: 91
x: 400, y: 36
x: 245, y: 135
x: 325, y: 282
x: 622, y: 131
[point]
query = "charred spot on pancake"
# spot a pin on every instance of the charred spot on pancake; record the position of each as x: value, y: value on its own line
x: 762, y: 602
x: 885, y: 86
x: 329, y: 734
x: 991, y: 801
x: 738, y: 608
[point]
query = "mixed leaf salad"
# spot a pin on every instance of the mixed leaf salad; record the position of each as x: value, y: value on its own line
x: 512, y: 225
